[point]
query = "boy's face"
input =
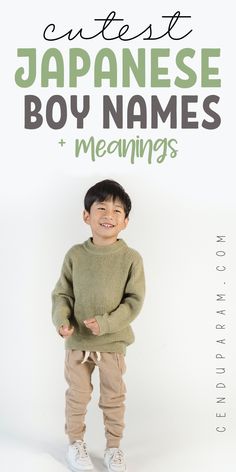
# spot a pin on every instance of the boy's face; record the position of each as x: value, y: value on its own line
x: 106, y: 219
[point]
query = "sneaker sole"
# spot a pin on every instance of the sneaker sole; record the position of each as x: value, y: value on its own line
x: 112, y: 470
x: 76, y: 469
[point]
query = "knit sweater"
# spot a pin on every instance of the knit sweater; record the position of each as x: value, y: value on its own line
x: 105, y: 282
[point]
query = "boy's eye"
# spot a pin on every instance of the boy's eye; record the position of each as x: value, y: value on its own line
x: 103, y: 208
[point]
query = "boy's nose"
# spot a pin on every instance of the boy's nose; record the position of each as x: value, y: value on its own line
x: 108, y: 216
x: 108, y: 213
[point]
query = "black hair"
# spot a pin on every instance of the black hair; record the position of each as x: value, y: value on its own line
x: 105, y: 190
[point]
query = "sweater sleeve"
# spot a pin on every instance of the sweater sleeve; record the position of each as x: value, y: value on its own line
x: 130, y: 305
x: 63, y: 296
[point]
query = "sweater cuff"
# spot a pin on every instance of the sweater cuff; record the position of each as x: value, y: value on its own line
x: 103, y: 323
x: 60, y: 322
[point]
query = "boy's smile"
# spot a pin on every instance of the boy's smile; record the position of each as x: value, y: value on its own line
x: 106, y: 219
x: 106, y: 225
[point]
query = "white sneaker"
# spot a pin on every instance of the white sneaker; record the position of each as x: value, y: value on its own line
x: 114, y: 460
x: 78, y: 458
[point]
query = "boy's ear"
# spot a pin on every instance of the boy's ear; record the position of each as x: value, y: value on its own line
x: 126, y: 221
x: 86, y: 217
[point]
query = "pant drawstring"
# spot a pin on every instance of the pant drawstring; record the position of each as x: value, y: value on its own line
x: 87, y: 354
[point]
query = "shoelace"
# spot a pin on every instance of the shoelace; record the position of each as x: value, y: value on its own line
x: 81, y: 449
x: 118, y: 457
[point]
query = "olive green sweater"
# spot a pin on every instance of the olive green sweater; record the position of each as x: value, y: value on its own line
x: 105, y: 282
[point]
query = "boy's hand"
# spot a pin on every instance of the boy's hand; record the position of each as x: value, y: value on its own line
x: 93, y: 325
x: 65, y: 331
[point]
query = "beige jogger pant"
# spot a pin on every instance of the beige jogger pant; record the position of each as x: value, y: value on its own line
x: 112, y: 393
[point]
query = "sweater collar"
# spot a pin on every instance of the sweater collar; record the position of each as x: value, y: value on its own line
x: 102, y: 250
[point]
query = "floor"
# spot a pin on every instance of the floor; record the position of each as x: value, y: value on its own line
x: 25, y: 455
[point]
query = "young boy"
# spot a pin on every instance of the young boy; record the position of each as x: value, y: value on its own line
x: 99, y: 293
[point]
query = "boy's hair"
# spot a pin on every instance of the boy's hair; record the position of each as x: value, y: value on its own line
x: 105, y: 190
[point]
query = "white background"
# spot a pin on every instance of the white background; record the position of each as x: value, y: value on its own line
x: 179, y: 207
